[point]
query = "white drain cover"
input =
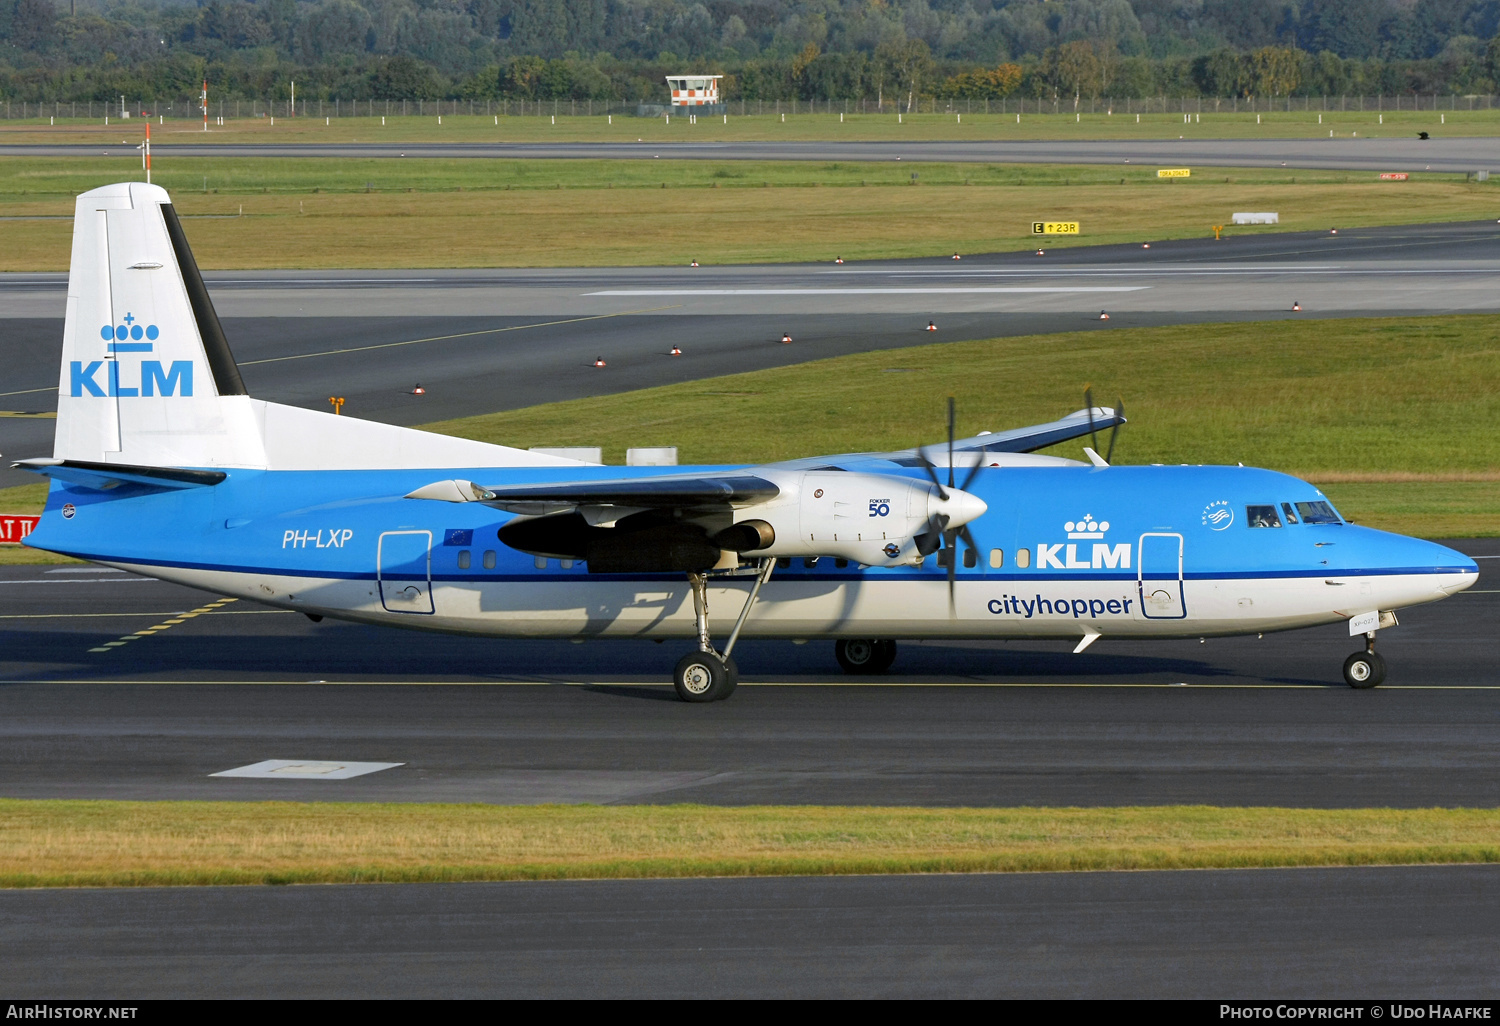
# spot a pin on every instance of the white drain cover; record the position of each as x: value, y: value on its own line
x: 306, y: 769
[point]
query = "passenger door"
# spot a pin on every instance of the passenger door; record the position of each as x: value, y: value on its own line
x: 404, y: 571
x: 1159, y: 577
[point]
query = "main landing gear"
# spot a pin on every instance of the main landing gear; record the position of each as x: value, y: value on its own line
x: 864, y: 655
x: 1365, y: 669
x: 707, y: 675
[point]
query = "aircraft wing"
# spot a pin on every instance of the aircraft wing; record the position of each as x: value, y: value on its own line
x: 656, y: 492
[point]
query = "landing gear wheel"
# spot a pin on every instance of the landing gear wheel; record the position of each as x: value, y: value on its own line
x: 702, y: 677
x: 1364, y: 670
x: 864, y: 656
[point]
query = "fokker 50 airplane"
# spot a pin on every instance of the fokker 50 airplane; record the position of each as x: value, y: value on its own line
x: 164, y: 466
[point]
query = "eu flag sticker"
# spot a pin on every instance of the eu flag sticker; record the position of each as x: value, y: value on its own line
x: 458, y: 536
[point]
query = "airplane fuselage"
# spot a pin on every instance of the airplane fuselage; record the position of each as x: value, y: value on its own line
x: 1065, y: 551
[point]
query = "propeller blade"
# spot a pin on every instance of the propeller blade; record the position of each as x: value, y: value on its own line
x: 928, y: 466
x: 1088, y: 404
x: 975, y: 469
x: 950, y: 441
x: 963, y: 532
x: 949, y: 540
x: 1119, y: 414
x: 927, y: 541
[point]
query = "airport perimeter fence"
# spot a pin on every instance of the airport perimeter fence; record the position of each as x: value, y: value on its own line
x: 187, y: 109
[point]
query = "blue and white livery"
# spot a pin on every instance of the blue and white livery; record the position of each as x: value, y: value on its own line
x: 164, y: 466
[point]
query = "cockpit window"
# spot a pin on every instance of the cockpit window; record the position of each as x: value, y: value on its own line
x: 1291, y: 517
x: 1262, y: 516
x: 1317, y: 513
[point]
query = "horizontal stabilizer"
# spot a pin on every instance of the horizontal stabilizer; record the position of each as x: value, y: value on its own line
x: 106, y: 476
x: 1039, y: 436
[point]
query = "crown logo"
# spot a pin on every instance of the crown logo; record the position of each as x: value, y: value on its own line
x: 1087, y: 527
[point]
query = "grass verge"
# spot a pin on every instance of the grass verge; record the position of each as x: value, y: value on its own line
x: 100, y: 843
x: 309, y: 212
x: 1379, y: 411
x: 965, y: 122
x: 1383, y: 413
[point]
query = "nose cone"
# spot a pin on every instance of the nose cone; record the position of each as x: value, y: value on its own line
x: 1434, y: 570
x: 960, y: 507
x: 1455, y: 570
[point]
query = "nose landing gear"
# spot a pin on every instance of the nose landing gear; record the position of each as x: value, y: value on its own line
x: 1365, y: 669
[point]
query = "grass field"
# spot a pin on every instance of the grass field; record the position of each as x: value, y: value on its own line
x: 1384, y: 412
x: 958, y: 124
x: 95, y: 843
x: 1388, y: 415
x: 312, y: 212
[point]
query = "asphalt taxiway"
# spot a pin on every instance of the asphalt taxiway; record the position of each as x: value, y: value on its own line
x: 1410, y: 932
x: 1380, y: 152
x: 89, y: 709
x: 495, y: 339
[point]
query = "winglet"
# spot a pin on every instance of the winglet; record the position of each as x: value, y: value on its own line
x: 1094, y: 457
x: 1089, y: 637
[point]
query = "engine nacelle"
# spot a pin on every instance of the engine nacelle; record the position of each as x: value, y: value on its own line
x: 869, y: 518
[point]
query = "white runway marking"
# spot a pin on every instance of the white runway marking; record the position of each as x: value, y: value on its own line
x: 86, y: 580
x: 306, y: 769
x: 893, y: 291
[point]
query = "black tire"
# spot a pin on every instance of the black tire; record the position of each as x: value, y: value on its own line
x: 1364, y: 670
x: 864, y: 655
x: 731, y: 679
x: 701, y: 677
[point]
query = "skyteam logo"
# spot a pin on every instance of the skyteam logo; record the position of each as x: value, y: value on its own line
x: 1065, y: 557
x: 1217, y: 516
x: 151, y: 380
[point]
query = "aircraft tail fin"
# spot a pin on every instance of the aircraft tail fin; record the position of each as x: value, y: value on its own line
x: 147, y: 375
x: 148, y: 379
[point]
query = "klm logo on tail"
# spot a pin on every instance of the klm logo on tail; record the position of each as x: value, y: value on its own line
x: 153, y: 379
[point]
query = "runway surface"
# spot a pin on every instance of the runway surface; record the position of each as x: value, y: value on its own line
x: 1231, y: 721
x: 1411, y: 932
x: 486, y: 340
x: 1226, y: 722
x: 1385, y: 153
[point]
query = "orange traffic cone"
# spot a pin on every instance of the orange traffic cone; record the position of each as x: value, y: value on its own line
x: 675, y: 352
x: 931, y: 326
x: 1145, y: 245
x: 1296, y: 307
x: 957, y: 257
x: 786, y: 338
x: 838, y: 260
x: 1041, y: 252
x: 599, y: 362
x: 693, y: 264
x: 1103, y: 316
x: 418, y: 390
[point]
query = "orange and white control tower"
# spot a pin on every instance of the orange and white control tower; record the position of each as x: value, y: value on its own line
x: 694, y: 90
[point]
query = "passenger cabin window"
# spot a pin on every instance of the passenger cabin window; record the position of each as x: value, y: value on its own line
x: 1317, y: 513
x: 783, y: 563
x: 841, y: 563
x: 1291, y: 514
x: 463, y: 559
x: 1023, y: 558
x: 489, y: 559
x: 1262, y: 516
x: 971, y: 558
x: 541, y: 562
x: 997, y: 558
